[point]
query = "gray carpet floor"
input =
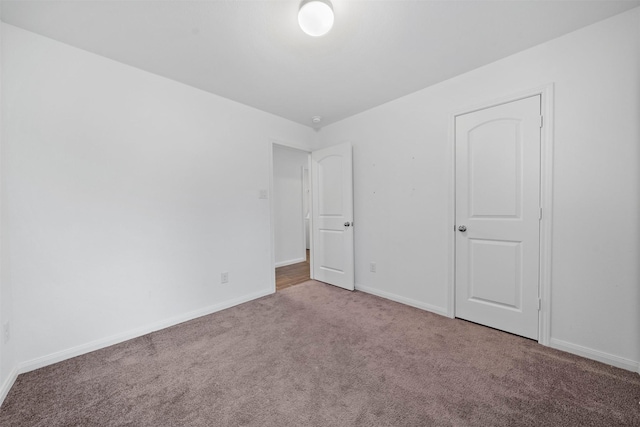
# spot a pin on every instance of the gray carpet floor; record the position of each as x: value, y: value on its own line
x: 316, y: 355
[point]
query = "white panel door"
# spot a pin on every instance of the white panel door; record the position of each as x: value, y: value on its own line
x: 498, y: 216
x: 332, y: 190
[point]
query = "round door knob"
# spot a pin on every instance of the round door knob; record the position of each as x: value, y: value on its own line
x: 347, y: 224
x: 462, y: 228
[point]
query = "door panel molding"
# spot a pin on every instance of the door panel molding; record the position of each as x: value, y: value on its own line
x: 546, y: 199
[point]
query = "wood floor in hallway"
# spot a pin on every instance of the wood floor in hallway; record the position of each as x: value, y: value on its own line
x: 293, y: 274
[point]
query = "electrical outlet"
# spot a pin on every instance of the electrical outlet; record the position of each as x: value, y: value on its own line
x: 372, y: 267
x: 6, y: 332
x: 224, y: 277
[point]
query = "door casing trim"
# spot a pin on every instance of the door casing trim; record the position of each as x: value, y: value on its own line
x: 546, y: 200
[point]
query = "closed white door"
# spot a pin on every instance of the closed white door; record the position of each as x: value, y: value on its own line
x: 498, y: 216
x: 332, y: 190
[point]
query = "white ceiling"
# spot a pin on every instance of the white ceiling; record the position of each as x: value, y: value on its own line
x: 255, y: 53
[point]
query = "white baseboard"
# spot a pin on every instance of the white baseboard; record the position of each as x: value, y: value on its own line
x: 8, y: 383
x: 59, y: 356
x: 600, y: 356
x: 290, y: 262
x: 407, y: 301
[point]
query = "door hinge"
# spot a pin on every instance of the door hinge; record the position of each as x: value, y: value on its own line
x: 540, y: 214
x: 539, y: 304
x: 541, y: 121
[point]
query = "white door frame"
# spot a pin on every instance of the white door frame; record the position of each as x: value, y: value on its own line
x: 546, y: 201
x: 272, y: 143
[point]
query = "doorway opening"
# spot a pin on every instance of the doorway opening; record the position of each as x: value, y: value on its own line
x: 328, y: 211
x: 291, y: 212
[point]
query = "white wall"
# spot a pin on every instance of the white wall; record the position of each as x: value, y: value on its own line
x: 289, y: 238
x: 402, y: 174
x: 7, y: 349
x: 127, y: 195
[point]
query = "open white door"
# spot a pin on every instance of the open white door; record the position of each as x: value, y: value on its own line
x: 497, y: 216
x: 332, y: 189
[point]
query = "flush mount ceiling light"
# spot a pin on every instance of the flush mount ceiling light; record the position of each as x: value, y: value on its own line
x: 315, y: 17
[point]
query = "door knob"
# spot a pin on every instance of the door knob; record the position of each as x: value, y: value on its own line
x: 462, y: 228
x: 347, y: 224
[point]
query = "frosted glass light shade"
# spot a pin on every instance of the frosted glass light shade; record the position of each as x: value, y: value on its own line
x: 316, y: 17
